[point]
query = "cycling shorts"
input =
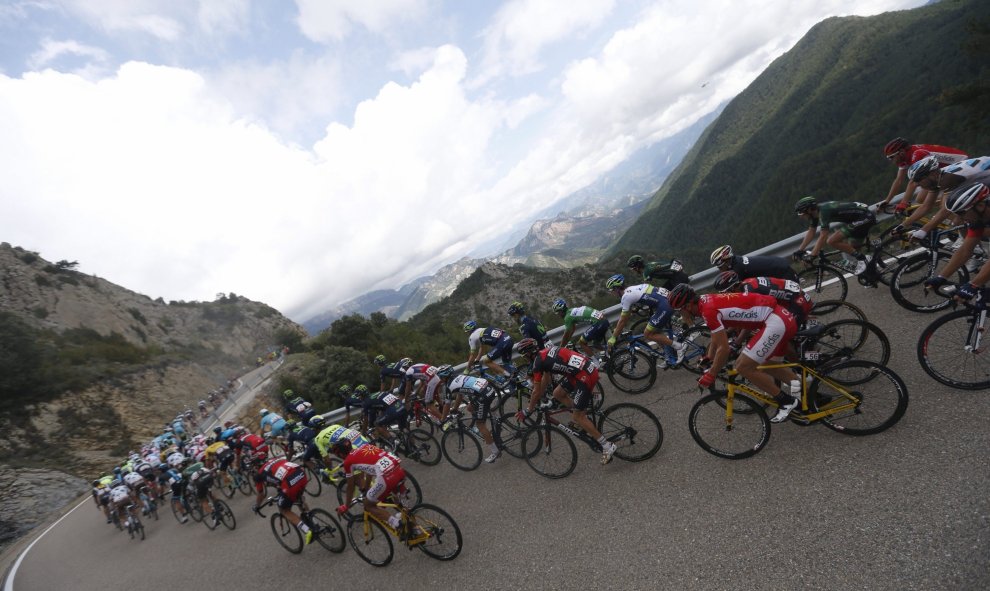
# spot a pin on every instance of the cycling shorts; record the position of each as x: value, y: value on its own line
x: 595, y: 334
x: 661, y: 317
x: 393, y: 415
x: 502, y: 351
x: 277, y: 427
x: 773, y: 338
x: 581, y: 387
x: 384, y: 484
x: 859, y: 229
x: 481, y: 402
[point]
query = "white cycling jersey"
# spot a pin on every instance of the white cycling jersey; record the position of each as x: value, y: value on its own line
x: 133, y: 479
x: 120, y: 494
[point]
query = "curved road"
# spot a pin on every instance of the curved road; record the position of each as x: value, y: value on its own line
x: 906, y: 509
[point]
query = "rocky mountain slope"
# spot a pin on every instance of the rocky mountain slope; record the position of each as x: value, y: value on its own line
x: 89, y: 368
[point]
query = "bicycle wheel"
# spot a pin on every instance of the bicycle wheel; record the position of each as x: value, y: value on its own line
x: 696, y: 341
x: 831, y: 286
x: 425, y: 448
x: 413, y: 494
x: 226, y: 515
x: 444, y: 540
x: 327, y: 530
x: 513, y: 434
x: 424, y: 422
x: 286, y: 534
x: 827, y: 311
x: 854, y: 338
x: 314, y: 484
x: 370, y: 540
x: 139, y: 528
x: 461, y: 448
x: 230, y: 488
x: 549, y: 451
x: 176, y: 510
x: 907, y: 285
x: 736, y: 436
x: 947, y: 352
x: 513, y: 402
x: 632, y: 370
x: 634, y: 430
x: 208, y: 519
x: 195, y: 511
x: 869, y: 398
x: 893, y: 249
x: 277, y: 449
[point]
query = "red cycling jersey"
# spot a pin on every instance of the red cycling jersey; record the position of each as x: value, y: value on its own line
x: 380, y: 465
x: 288, y: 477
x: 735, y: 310
x: 787, y: 293
x: 916, y: 152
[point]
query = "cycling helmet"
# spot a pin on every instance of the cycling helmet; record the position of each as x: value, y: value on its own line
x: 804, y: 204
x: 470, y: 325
x: 344, y: 390
x: 264, y: 411
x: 894, y: 146
x: 721, y: 255
x: 287, y: 394
x: 96, y: 484
x: 617, y: 281
x: 228, y: 424
x: 405, y: 362
x: 559, y: 306
x: 726, y: 280
x: 316, y: 421
x: 635, y: 262
x: 516, y: 308
x: 961, y: 201
x: 380, y: 360
x: 681, y: 295
x: 218, y: 430
x: 210, y: 441
x: 527, y: 347
x: 360, y: 390
x: 445, y: 371
x: 922, y: 168
x: 289, y: 425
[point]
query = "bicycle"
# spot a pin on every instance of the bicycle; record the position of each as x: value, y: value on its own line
x: 632, y: 366
x: 327, y: 531
x: 827, y: 311
x: 232, y: 480
x: 425, y: 527
x: 907, y: 285
x: 549, y: 451
x: 823, y: 278
x: 953, y: 348
x: 221, y: 513
x: 733, y: 424
x: 415, y: 444
x: 181, y: 506
x: 462, y: 442
x: 151, y: 503
x: 133, y: 523
x: 408, y: 493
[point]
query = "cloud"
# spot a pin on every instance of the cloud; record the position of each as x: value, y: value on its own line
x: 325, y: 21
x: 52, y: 50
x: 522, y: 28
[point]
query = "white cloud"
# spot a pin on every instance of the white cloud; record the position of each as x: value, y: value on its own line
x: 51, y: 50
x: 522, y: 28
x: 324, y: 21
x: 142, y: 16
x: 223, y: 16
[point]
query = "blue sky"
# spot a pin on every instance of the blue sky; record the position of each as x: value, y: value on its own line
x: 301, y: 153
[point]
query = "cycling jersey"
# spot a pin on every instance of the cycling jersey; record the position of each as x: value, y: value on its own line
x: 655, y: 298
x: 762, y: 266
x: 393, y: 370
x: 583, y: 315
x: 774, y: 325
x: 289, y: 478
x: 274, y: 421
x: 254, y: 446
x: 974, y: 170
x: 531, y: 328
x: 377, y: 463
x: 425, y: 372
x: 133, y: 480
x: 119, y: 494
x: 787, y: 293
x: 666, y: 275
x: 916, y: 152
x: 478, y: 392
x: 496, y: 338
x: 385, y: 408
x: 334, y: 433
x: 580, y: 372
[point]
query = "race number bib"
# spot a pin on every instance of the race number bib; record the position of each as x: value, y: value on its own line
x: 385, y: 464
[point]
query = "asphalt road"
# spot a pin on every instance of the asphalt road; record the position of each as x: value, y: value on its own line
x: 905, y: 509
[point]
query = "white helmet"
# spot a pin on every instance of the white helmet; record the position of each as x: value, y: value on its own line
x: 264, y: 411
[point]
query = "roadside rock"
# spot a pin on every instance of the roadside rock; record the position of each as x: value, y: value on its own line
x: 29, y: 496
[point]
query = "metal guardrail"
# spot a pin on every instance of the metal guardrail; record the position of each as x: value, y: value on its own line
x: 701, y: 280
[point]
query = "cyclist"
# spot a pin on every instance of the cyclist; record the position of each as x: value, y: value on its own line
x: 298, y: 406
x: 654, y: 298
x: 135, y: 481
x: 942, y: 182
x: 479, y: 395
x: 352, y: 399
x: 787, y: 293
x: 580, y: 375
x: 903, y: 154
x: 121, y: 501
x: 854, y: 219
x: 219, y: 455
x: 101, y: 495
x: 394, y: 371
x: 273, y: 421
x: 200, y: 478
x: 775, y: 326
x: 172, y: 477
x: 422, y: 381
x: 498, y: 340
x: 973, y: 204
x: 382, y: 469
x: 581, y: 316
x: 752, y: 266
x: 382, y: 409
x: 529, y: 327
x: 665, y: 275
x: 290, y: 480
x: 202, y: 408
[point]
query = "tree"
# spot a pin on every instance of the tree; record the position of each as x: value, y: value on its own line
x: 379, y: 319
x: 352, y: 331
x: 65, y: 265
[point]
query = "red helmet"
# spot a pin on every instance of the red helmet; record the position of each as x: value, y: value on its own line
x: 894, y: 146
x: 681, y: 295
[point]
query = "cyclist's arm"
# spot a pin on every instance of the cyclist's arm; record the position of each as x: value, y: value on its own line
x: 961, y: 255
x: 982, y: 276
x: 539, y: 388
x: 567, y: 336
x: 719, y: 351
x: 901, y: 175
x: 822, y: 240
x: 922, y: 209
x: 933, y: 223
x: 808, y: 237
x: 619, y: 326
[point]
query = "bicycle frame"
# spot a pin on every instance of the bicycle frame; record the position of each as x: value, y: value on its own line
x: 846, y: 401
x: 408, y: 541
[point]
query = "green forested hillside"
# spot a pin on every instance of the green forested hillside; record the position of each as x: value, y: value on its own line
x: 814, y: 123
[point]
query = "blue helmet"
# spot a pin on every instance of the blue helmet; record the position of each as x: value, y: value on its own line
x: 470, y: 325
x: 617, y: 281
x: 559, y: 306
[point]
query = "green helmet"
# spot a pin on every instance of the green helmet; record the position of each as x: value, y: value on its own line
x: 361, y: 390
x: 470, y: 325
x: 287, y: 394
x: 380, y: 360
x: 344, y: 390
x: 635, y: 262
x: 516, y: 308
x: 804, y: 204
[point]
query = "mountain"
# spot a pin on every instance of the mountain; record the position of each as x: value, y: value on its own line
x: 573, y: 231
x: 89, y: 368
x: 813, y: 123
